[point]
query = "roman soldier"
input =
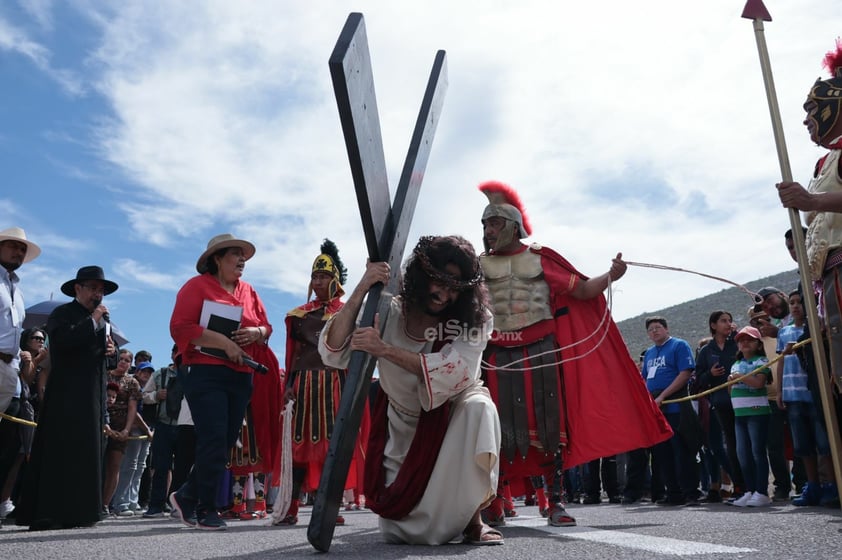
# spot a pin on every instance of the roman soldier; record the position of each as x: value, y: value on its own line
x: 821, y: 202
x: 546, y: 313
x: 315, y: 388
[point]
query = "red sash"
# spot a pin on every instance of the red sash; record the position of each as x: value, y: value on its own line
x: 398, y: 499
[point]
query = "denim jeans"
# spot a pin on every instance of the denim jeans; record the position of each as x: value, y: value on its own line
x: 131, y: 469
x: 752, y: 434
x: 809, y: 434
x: 217, y: 396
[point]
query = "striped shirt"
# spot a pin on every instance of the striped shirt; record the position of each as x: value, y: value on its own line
x: 746, y: 400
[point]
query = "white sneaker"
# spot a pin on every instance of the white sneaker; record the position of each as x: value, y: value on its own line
x: 6, y: 507
x: 743, y: 500
x: 759, y: 500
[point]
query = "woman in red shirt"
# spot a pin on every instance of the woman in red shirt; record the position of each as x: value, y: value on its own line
x: 217, y: 382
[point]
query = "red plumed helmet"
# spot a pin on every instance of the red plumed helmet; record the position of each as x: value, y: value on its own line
x: 833, y: 60
x: 827, y: 95
x: 505, y: 202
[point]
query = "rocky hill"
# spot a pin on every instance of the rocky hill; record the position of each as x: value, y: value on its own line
x: 689, y: 320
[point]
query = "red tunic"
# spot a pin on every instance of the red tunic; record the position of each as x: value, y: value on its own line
x: 320, y: 390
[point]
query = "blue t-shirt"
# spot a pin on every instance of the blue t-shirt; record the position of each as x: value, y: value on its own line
x: 794, y: 381
x: 662, y: 364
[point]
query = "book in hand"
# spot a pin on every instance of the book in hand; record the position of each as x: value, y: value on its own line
x: 221, y: 318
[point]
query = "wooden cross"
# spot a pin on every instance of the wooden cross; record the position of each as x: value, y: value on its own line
x: 386, y: 227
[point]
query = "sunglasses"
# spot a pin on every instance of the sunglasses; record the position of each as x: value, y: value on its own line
x: 38, y: 338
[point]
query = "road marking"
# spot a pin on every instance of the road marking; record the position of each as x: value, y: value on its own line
x: 659, y: 545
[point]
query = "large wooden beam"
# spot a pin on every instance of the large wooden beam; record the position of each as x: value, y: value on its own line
x: 385, y: 226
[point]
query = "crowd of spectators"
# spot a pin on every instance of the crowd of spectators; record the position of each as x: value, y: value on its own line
x: 756, y: 436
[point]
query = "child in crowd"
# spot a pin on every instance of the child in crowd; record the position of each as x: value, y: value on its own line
x: 111, y: 391
x: 751, y: 412
x: 809, y: 433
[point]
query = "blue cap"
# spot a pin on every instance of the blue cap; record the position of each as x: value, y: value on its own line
x: 145, y: 365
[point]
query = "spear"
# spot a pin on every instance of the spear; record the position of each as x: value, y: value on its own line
x: 757, y: 12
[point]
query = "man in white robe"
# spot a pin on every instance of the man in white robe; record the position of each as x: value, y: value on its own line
x: 438, y: 413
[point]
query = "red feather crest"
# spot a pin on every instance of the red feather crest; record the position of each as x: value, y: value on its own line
x: 833, y: 60
x: 499, y: 193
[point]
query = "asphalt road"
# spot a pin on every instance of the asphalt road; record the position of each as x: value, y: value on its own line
x: 605, y: 532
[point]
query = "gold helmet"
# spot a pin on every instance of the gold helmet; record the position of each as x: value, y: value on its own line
x: 329, y: 262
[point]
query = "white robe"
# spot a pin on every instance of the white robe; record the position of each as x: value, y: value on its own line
x: 466, y: 471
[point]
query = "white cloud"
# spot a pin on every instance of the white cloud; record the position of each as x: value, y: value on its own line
x: 26, y: 216
x: 40, y: 283
x: 16, y: 40
x: 139, y: 275
x: 41, y: 11
x: 225, y: 118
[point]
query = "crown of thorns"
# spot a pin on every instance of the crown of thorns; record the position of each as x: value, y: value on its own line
x: 420, y: 254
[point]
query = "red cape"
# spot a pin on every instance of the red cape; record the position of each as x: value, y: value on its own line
x: 609, y: 409
x: 266, y: 405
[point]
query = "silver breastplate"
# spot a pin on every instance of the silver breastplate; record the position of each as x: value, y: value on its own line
x: 519, y: 295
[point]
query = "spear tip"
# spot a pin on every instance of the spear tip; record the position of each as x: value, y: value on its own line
x: 756, y: 10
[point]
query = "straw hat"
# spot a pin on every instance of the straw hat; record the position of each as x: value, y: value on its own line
x: 17, y: 234
x: 223, y: 241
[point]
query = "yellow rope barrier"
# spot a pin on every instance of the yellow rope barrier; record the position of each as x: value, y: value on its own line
x: 33, y: 424
x: 18, y: 420
x: 736, y: 379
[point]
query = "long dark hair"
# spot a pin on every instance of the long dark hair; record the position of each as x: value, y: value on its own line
x: 427, y: 264
x: 714, y: 318
x: 210, y: 262
x: 26, y: 335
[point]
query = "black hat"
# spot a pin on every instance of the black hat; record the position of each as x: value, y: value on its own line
x: 83, y: 275
x: 768, y: 291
